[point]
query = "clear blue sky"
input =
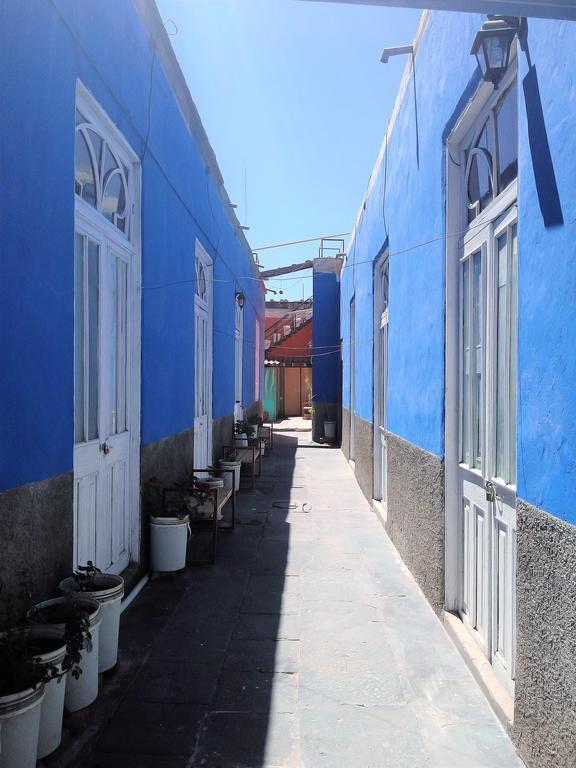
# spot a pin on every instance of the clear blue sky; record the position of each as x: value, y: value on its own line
x: 294, y: 92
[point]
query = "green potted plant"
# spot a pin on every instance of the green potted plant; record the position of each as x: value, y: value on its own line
x: 108, y: 590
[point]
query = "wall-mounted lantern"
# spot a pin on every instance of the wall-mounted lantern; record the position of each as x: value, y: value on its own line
x: 493, y: 44
x: 240, y: 299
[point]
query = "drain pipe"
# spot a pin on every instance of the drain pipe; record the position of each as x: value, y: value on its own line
x: 135, y: 592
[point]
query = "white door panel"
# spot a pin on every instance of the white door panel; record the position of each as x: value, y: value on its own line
x: 102, y: 385
x: 487, y: 472
x: 203, y: 360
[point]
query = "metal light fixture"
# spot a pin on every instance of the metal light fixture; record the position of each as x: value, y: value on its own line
x: 387, y: 53
x: 493, y: 44
x: 240, y: 299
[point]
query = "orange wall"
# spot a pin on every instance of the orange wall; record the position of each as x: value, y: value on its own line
x: 297, y: 345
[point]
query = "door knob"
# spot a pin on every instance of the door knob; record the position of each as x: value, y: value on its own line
x: 104, y: 448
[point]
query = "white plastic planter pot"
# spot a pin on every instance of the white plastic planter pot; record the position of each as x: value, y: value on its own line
x: 241, y: 440
x: 330, y: 431
x: 19, y: 728
x: 109, y: 593
x: 228, y: 478
x: 51, y: 652
x: 81, y: 691
x: 168, y: 539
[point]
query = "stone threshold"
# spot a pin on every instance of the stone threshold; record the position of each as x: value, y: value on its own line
x: 499, y: 698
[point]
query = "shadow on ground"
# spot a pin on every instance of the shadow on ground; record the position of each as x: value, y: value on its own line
x: 206, y: 654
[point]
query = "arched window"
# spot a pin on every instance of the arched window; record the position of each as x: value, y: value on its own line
x: 492, y: 154
x: 100, y: 177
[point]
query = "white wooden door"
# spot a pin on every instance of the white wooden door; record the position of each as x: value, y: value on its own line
x: 381, y: 381
x: 102, y: 392
x: 487, y: 470
x: 106, y: 341
x: 203, y: 361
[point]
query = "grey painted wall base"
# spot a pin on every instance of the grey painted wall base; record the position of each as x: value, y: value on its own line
x: 345, y: 426
x: 222, y: 433
x: 416, y: 514
x: 545, y: 696
x: 364, y: 456
x: 36, y: 540
x: 170, y: 459
x: 363, y: 450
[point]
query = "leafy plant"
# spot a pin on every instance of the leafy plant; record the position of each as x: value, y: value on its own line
x: 85, y: 577
x: 75, y: 615
x: 243, y: 427
x: 19, y: 669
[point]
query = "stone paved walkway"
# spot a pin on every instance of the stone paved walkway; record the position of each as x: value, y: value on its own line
x: 307, y: 646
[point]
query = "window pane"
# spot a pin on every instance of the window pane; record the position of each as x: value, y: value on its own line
x: 122, y: 345
x: 477, y: 330
x: 465, y: 363
x: 507, y: 133
x: 502, y: 339
x: 111, y: 346
x: 85, y: 180
x: 93, y: 320
x: 513, y: 352
x: 113, y: 199
x: 79, y: 338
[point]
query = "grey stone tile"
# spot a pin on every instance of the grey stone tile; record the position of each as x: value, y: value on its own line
x: 270, y: 601
x: 258, y: 626
x: 152, y: 729
x: 361, y: 737
x: 263, y: 655
x: 176, y: 682
x: 108, y: 760
x: 241, y: 740
x: 260, y: 692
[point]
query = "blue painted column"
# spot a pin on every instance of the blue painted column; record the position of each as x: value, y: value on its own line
x: 326, y: 353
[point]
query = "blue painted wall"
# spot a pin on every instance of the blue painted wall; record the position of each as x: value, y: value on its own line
x: 326, y: 337
x: 45, y: 47
x: 412, y: 222
x: 547, y: 280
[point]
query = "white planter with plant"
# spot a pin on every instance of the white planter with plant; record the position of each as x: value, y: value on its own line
x: 241, y: 440
x: 231, y: 480
x: 22, y: 691
x: 243, y: 430
x: 78, y: 620
x: 52, y: 654
x: 168, y: 539
x: 330, y: 431
x: 20, y: 725
x: 108, y: 590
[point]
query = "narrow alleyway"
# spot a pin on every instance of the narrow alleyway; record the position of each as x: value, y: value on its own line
x: 308, y: 645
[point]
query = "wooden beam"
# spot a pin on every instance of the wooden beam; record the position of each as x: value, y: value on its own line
x: 286, y: 270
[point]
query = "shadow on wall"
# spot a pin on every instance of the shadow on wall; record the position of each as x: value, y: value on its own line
x: 544, y: 175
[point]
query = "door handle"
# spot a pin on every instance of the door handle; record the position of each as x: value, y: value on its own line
x: 104, y: 448
x: 490, y: 489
